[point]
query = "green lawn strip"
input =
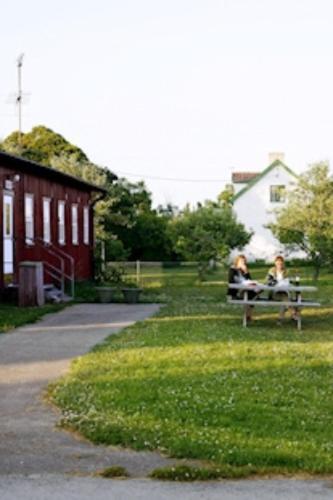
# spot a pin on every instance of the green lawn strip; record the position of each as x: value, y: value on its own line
x: 190, y: 473
x: 192, y: 383
x: 13, y: 316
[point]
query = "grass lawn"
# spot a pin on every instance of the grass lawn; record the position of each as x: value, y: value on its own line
x: 191, y: 382
x: 12, y: 316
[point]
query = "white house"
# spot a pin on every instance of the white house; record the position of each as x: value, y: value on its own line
x: 257, y: 196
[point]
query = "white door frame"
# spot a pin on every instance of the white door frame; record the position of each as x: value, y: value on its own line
x: 8, y: 232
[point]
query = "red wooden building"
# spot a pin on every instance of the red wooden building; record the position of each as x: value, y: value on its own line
x: 45, y: 216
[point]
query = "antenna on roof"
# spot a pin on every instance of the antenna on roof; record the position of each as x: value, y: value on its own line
x: 19, y: 98
x: 19, y: 94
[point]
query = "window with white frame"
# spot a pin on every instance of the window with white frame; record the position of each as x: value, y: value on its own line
x: 86, y: 227
x: 278, y: 194
x: 61, y: 222
x: 47, y: 220
x: 75, y: 226
x: 8, y: 217
x: 29, y: 218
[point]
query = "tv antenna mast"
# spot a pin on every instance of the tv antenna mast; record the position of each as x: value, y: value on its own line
x: 19, y: 97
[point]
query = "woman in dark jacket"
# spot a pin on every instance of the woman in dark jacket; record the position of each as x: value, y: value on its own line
x: 238, y: 273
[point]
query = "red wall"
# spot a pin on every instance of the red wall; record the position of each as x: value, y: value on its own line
x: 43, y: 187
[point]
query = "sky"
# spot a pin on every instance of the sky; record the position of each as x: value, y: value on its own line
x: 179, y: 93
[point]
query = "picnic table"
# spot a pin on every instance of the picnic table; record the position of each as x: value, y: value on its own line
x: 294, y: 297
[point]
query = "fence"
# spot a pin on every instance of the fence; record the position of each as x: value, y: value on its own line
x: 175, y: 273
x: 151, y: 274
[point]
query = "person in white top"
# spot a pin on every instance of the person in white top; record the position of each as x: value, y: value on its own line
x: 278, y: 275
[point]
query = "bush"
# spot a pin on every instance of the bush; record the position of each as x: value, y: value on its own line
x: 114, y: 471
x: 111, y: 275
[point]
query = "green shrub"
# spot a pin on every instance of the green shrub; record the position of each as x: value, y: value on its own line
x: 189, y: 473
x: 114, y: 471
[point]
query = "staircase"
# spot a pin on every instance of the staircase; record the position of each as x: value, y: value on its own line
x: 55, y: 295
x: 59, y: 267
x: 56, y: 291
x: 61, y: 275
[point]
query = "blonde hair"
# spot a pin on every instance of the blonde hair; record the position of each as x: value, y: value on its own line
x: 281, y: 258
x: 238, y: 258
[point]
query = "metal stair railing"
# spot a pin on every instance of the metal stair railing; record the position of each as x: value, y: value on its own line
x: 57, y: 273
x: 60, y: 254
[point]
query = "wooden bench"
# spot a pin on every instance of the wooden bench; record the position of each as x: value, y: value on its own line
x: 298, y: 303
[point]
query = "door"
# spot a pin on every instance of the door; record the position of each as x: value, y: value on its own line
x: 8, y: 232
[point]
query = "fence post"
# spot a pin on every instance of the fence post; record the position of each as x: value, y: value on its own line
x: 102, y: 256
x: 137, y: 272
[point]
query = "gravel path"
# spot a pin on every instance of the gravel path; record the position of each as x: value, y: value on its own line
x: 53, y: 487
x: 33, y: 356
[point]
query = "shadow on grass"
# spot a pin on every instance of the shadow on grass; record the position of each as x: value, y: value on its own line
x: 223, y: 328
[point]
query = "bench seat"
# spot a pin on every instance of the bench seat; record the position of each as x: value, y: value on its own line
x: 268, y: 303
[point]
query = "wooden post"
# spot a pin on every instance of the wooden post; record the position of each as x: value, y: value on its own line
x: 31, y: 284
x: 137, y: 272
x: 102, y: 256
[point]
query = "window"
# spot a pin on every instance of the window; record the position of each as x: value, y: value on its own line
x: 8, y: 218
x: 278, y: 194
x: 86, y: 227
x: 47, y: 220
x: 61, y: 222
x: 29, y: 218
x: 75, y: 227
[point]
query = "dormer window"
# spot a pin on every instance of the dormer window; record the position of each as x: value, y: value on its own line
x: 277, y: 194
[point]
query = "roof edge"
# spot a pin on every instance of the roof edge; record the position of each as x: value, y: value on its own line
x: 268, y: 169
x: 53, y: 171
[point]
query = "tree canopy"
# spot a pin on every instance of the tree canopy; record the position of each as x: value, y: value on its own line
x: 306, y: 222
x: 138, y: 231
x: 43, y: 145
x: 126, y: 222
x: 208, y: 232
x: 125, y: 219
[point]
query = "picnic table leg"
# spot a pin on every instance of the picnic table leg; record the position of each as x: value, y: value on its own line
x: 299, y: 311
x: 245, y: 317
x: 299, y: 320
x: 245, y: 309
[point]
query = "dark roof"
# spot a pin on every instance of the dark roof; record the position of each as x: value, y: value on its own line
x: 243, y: 177
x: 32, y: 167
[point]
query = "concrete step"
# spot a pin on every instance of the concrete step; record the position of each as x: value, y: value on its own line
x: 53, y: 294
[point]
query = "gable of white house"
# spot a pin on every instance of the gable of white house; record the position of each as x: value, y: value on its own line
x: 255, y: 207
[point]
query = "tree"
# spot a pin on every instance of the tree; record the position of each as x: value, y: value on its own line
x: 132, y: 220
x: 226, y: 196
x: 45, y: 146
x: 306, y: 222
x: 124, y: 220
x: 208, y: 232
x: 168, y: 210
x: 42, y: 145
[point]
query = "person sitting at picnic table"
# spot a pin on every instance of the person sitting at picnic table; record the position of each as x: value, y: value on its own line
x: 238, y: 274
x: 278, y: 275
